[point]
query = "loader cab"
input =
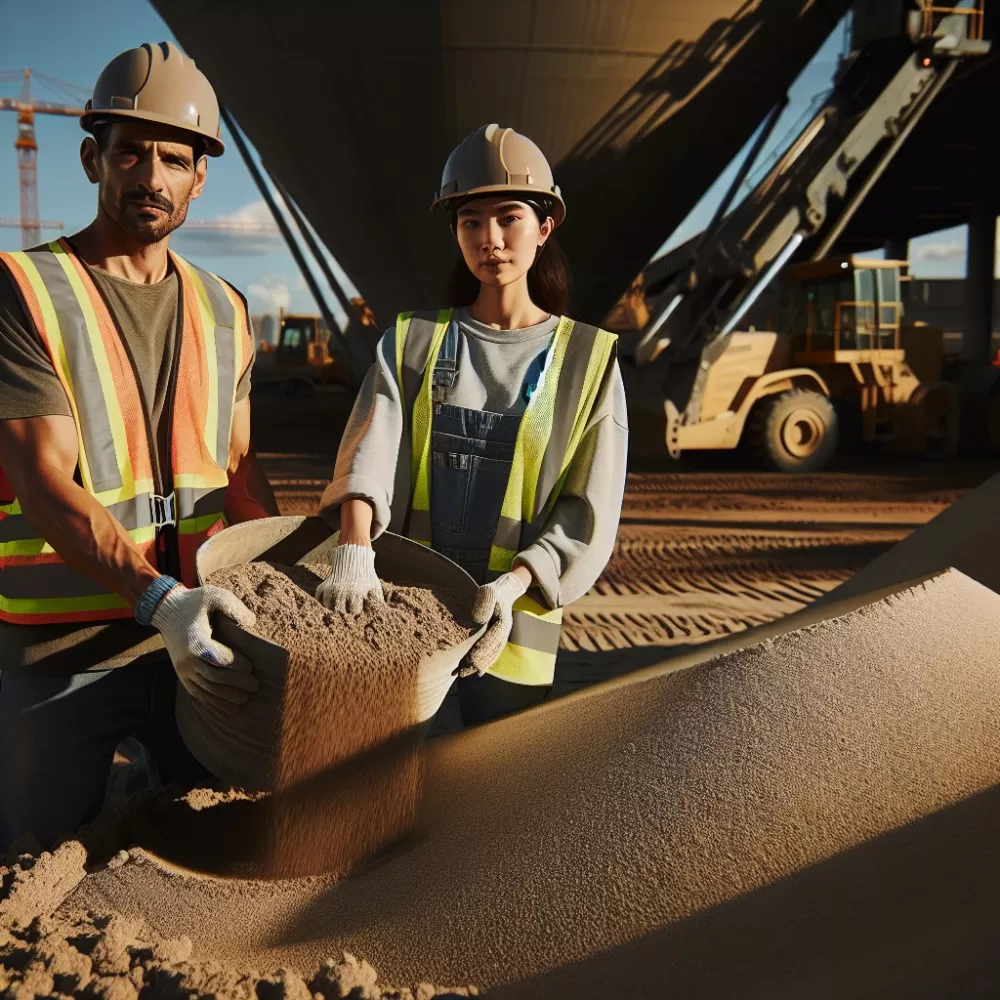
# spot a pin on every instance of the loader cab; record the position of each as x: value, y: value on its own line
x: 844, y: 310
x: 303, y: 340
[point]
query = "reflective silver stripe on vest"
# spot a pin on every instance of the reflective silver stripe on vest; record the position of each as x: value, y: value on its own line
x: 508, y: 533
x: 130, y: 514
x: 415, y: 354
x: 95, y: 427
x: 571, y: 382
x: 225, y: 351
x: 535, y: 633
x: 193, y: 502
x: 48, y: 581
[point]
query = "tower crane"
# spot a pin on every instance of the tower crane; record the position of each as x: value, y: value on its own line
x: 26, y: 145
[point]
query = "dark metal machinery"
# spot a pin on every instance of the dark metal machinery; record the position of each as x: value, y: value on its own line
x: 901, y: 57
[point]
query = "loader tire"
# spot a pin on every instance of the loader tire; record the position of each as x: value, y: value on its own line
x: 795, y: 431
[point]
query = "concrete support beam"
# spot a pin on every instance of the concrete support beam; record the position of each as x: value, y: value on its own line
x: 897, y: 248
x: 980, y: 264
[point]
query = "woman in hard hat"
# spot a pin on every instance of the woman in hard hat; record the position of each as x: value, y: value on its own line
x: 494, y: 431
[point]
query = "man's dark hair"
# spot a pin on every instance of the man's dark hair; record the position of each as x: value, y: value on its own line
x: 101, y: 130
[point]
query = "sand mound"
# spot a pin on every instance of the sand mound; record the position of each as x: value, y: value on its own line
x: 965, y: 536
x: 812, y: 815
x: 94, y: 956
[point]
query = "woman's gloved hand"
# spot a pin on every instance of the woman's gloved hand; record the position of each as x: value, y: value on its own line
x: 352, y: 580
x: 211, y: 673
x: 494, y: 604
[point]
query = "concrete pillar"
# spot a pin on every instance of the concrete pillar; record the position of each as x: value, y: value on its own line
x: 896, y: 248
x: 977, y: 331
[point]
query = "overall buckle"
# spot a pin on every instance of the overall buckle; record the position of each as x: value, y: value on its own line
x: 162, y: 511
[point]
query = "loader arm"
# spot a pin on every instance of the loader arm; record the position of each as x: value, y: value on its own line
x: 802, y: 204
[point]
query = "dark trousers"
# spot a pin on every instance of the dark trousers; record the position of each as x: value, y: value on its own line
x: 58, y: 735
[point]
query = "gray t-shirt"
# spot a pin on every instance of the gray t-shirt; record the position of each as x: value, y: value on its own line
x: 147, y: 317
x: 493, y: 365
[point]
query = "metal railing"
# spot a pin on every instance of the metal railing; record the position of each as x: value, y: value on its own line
x: 857, y: 326
x: 975, y: 14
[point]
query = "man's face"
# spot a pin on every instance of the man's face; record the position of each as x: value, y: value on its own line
x: 147, y: 175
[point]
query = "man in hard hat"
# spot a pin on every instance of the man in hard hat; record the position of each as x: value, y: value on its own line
x: 124, y: 443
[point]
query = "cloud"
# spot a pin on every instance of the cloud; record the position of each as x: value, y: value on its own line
x: 233, y: 243
x: 943, y: 250
x: 256, y: 211
x: 269, y: 293
x: 220, y: 243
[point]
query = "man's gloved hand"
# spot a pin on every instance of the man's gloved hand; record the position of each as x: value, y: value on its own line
x: 494, y: 604
x: 351, y: 581
x: 211, y: 673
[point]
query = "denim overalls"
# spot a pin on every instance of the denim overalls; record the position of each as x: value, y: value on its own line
x: 471, y: 456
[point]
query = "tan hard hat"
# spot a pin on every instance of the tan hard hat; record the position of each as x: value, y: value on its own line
x: 157, y: 83
x: 495, y: 159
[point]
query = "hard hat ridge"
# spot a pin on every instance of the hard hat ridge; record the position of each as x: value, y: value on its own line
x: 156, y: 83
x: 493, y: 160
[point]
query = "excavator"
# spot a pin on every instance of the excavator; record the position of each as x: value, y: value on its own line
x: 833, y: 355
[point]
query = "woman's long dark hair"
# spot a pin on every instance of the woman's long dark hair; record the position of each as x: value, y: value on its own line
x: 549, y: 282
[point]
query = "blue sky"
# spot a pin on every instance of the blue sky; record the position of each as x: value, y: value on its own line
x: 69, y: 40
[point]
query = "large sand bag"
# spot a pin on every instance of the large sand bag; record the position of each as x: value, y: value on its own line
x: 812, y: 815
x: 965, y: 536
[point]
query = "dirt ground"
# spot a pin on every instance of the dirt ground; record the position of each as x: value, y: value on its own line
x: 706, y: 547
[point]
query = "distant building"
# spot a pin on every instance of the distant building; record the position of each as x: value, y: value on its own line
x: 940, y: 302
x: 265, y: 327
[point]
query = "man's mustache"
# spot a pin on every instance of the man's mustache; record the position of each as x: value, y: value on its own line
x: 149, y: 198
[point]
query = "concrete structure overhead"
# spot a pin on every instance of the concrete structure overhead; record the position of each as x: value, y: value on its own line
x: 639, y: 106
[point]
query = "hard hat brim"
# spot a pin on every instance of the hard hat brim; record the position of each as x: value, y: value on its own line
x: 558, y: 207
x: 214, y: 146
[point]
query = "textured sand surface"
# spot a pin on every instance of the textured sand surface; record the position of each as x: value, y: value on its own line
x: 965, y: 536
x: 813, y: 815
x: 703, y: 553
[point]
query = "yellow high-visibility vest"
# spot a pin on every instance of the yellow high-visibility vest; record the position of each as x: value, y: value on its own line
x: 115, y: 458
x: 549, y: 434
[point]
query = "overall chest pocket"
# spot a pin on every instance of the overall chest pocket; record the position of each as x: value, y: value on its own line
x: 471, y: 456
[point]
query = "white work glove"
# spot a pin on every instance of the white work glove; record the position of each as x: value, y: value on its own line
x: 352, y: 580
x: 211, y: 673
x: 494, y: 604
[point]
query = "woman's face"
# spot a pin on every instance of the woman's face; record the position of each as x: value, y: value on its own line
x: 499, y: 238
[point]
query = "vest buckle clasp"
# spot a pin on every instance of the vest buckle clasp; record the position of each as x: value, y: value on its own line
x: 162, y: 511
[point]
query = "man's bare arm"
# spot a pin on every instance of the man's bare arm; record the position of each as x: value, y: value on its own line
x: 249, y: 488
x: 39, y: 456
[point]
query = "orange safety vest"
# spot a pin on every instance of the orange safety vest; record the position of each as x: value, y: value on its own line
x: 115, y: 464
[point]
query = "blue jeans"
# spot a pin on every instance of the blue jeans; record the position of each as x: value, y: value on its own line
x: 58, y: 734
x: 471, y: 454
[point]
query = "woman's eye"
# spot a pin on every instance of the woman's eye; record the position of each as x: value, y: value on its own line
x: 508, y: 220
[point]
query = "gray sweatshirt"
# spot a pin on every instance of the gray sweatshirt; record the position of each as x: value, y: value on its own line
x: 373, y: 462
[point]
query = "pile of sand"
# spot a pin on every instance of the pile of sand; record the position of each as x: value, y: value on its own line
x: 814, y: 814
x: 108, y: 956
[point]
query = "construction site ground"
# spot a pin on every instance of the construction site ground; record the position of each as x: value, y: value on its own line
x: 707, y: 546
